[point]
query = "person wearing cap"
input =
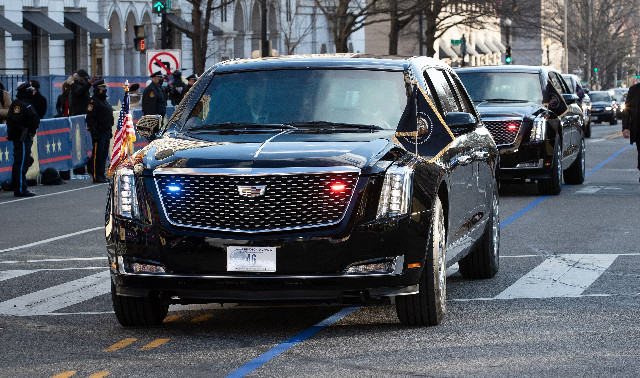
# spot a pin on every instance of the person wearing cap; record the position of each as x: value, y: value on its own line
x: 135, y: 96
x: 39, y: 101
x: 191, y: 79
x: 79, y: 92
x: 22, y: 123
x: 153, y: 99
x: 5, y: 103
x: 175, y: 90
x: 99, y: 124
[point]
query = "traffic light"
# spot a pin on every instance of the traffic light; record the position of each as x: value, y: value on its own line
x: 139, y: 38
x: 161, y: 6
x: 595, y: 69
x: 507, y: 58
x: 140, y: 44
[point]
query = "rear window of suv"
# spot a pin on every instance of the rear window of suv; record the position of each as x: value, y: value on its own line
x: 502, y: 86
x: 293, y: 96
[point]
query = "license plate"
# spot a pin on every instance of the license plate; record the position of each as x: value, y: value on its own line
x: 251, y: 259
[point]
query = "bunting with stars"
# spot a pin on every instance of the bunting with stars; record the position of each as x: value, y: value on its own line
x: 6, y: 155
x: 54, y: 144
x: 422, y: 129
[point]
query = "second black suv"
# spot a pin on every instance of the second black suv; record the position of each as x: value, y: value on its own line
x: 535, y: 121
x: 603, y: 108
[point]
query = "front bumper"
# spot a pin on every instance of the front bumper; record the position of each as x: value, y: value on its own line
x: 527, y: 161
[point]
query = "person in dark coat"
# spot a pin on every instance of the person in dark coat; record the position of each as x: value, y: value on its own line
x: 631, y: 117
x: 5, y: 103
x: 79, y: 92
x: 99, y: 124
x: 191, y: 79
x: 22, y: 124
x: 153, y: 100
x: 175, y: 88
x: 39, y: 101
x: 62, y: 103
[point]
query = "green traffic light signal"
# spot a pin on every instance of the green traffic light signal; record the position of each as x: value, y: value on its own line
x: 595, y: 69
x: 159, y: 6
x: 508, y: 59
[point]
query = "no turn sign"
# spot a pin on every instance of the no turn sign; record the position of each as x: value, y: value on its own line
x: 165, y: 61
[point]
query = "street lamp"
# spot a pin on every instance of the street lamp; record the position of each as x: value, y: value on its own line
x: 547, y: 42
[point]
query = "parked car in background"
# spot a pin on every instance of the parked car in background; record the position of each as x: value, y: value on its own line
x: 330, y: 179
x: 583, y: 100
x: 620, y: 97
x: 538, y: 128
x: 603, y: 107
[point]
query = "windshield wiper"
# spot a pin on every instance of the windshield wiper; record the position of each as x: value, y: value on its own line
x: 500, y: 100
x: 335, y: 125
x: 239, y: 126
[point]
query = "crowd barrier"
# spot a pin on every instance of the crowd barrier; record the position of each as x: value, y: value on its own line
x: 62, y: 143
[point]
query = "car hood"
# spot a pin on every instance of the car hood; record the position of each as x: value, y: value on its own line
x: 510, y: 110
x: 363, y: 150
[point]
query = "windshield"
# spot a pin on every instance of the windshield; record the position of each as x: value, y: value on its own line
x: 600, y: 96
x: 512, y: 86
x: 304, y: 97
x: 619, y: 96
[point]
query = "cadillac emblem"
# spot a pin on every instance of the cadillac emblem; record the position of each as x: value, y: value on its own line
x: 251, y: 190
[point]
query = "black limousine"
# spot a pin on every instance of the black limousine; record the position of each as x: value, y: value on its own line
x: 314, y: 179
x: 535, y: 120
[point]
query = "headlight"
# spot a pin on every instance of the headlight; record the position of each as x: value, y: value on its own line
x: 608, y: 108
x: 396, y: 191
x: 539, y: 129
x: 125, y: 192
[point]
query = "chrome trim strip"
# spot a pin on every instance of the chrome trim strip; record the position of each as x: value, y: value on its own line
x: 255, y: 171
x: 502, y: 119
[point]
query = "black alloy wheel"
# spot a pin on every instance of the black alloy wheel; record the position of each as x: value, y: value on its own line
x: 553, y: 185
x: 428, y: 306
x: 484, y: 259
x: 574, y: 175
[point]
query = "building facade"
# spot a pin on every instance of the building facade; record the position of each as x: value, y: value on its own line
x: 56, y: 37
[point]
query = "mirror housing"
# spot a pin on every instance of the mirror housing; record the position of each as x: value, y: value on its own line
x: 460, y: 122
x: 570, y: 98
x: 148, y: 126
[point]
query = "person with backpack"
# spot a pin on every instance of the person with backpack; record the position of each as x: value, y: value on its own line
x: 22, y: 124
x: 5, y: 102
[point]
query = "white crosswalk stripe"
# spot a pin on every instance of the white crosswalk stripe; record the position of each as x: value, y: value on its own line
x: 54, y: 298
x: 560, y: 276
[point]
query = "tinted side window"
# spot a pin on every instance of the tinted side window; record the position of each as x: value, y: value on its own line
x: 558, y: 82
x: 442, y: 89
x: 465, y: 102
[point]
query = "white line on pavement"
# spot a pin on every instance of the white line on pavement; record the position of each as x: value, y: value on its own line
x: 559, y: 276
x: 54, y: 260
x: 52, y: 239
x: 51, y: 299
x: 50, y: 194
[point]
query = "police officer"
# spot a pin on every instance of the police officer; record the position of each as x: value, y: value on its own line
x: 22, y: 123
x: 191, y: 79
x: 153, y: 100
x: 99, y: 123
x: 175, y: 89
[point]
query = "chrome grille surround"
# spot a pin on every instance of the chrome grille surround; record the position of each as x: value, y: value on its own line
x: 295, y: 198
x: 498, y: 129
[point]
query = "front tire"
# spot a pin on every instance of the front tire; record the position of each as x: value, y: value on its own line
x: 574, y: 175
x: 553, y: 185
x: 587, y: 130
x: 139, y: 312
x: 428, y: 306
x: 484, y: 259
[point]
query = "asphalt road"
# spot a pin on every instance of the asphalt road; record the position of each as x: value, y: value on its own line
x: 565, y: 302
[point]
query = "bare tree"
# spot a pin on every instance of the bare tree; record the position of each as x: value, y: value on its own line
x: 295, y: 28
x: 442, y: 15
x: 346, y: 17
x: 400, y: 14
x: 201, y: 13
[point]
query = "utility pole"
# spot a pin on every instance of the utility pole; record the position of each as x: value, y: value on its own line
x: 565, y: 66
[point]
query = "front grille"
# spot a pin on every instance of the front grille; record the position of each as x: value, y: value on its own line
x: 290, y: 201
x: 500, y: 131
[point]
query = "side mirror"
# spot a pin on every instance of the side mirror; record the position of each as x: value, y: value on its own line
x: 460, y: 122
x: 586, y: 90
x: 148, y: 126
x: 570, y: 98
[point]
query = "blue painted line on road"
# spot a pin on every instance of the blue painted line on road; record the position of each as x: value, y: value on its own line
x: 537, y: 201
x: 283, y: 347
